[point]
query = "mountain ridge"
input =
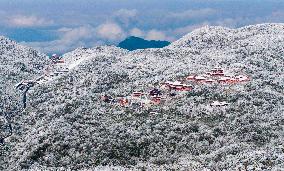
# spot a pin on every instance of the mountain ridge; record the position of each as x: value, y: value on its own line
x: 253, y: 30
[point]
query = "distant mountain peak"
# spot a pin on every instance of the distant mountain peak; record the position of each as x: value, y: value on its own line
x: 133, y: 43
x: 133, y: 37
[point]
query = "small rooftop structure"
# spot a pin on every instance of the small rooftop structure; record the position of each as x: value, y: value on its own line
x: 209, y: 80
x: 155, y: 92
x: 106, y: 98
x: 54, y: 56
x: 190, y: 77
x: 123, y: 101
x: 219, y: 104
x: 242, y: 78
x: 229, y: 75
x: 170, y: 84
x: 61, y: 61
x: 156, y: 99
x: 186, y: 87
x: 61, y: 70
x: 176, y: 83
x: 200, y: 78
x: 232, y: 81
x: 217, y: 74
x: 217, y: 71
x: 137, y: 94
x: 154, y: 113
x: 224, y: 79
x: 56, y: 59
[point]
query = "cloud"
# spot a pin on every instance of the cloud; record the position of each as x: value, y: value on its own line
x: 136, y: 32
x: 88, y: 36
x: 111, y: 22
x: 83, y: 36
x: 76, y: 34
x: 194, y: 14
x: 70, y: 38
x: 28, y: 21
x: 125, y: 16
x: 181, y: 31
x: 110, y: 31
x: 152, y: 34
x: 156, y: 35
x: 126, y: 13
x: 276, y: 16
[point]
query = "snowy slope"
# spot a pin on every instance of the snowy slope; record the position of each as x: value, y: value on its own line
x: 17, y: 63
x: 219, y: 37
x: 67, y: 126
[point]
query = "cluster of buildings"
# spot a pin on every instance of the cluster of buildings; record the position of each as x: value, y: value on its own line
x: 56, y: 68
x: 177, y: 85
x: 217, y: 75
x: 138, y: 99
x: 155, y: 96
x: 171, y: 88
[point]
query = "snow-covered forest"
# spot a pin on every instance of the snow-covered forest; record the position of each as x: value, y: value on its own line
x: 66, y: 125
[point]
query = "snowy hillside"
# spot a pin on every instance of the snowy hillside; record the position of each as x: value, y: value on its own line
x: 17, y: 63
x: 67, y: 125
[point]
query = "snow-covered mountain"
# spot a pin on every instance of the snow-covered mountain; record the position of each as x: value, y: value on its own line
x: 67, y: 126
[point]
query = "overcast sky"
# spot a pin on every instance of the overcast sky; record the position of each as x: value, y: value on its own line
x: 62, y: 25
